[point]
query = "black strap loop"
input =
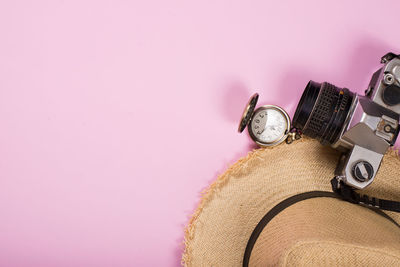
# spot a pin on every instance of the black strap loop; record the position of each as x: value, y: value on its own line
x: 285, y: 204
x: 350, y: 195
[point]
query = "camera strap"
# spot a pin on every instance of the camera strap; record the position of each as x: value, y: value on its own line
x: 349, y: 194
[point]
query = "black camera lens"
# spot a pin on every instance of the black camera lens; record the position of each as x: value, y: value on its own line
x: 322, y: 111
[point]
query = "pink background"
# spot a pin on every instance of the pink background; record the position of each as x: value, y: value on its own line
x: 115, y: 115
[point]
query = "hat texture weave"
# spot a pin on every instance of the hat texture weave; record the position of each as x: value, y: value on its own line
x: 318, y: 231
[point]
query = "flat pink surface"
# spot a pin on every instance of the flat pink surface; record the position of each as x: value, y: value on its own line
x: 115, y: 115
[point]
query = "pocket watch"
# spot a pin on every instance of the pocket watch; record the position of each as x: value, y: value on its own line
x: 268, y: 125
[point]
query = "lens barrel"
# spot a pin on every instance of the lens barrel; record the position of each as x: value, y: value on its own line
x: 322, y: 111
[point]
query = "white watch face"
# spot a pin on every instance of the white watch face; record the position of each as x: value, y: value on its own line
x: 269, y: 125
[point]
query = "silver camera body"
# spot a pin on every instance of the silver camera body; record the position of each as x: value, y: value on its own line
x: 371, y: 127
x: 362, y: 127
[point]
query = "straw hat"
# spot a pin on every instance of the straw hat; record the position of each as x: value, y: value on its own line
x: 276, y: 207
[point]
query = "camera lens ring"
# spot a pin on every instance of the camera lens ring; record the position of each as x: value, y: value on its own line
x: 331, y: 134
x: 322, y: 111
x: 345, y: 108
x: 307, y: 100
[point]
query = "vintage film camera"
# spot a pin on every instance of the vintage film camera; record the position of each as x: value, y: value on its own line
x: 362, y: 127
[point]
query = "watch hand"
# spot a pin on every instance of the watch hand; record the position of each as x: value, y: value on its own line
x: 264, y: 125
x: 264, y: 129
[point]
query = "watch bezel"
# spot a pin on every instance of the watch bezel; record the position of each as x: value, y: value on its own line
x: 278, y: 141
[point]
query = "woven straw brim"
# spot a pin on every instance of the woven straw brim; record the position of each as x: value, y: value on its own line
x: 234, y: 204
x: 327, y: 232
